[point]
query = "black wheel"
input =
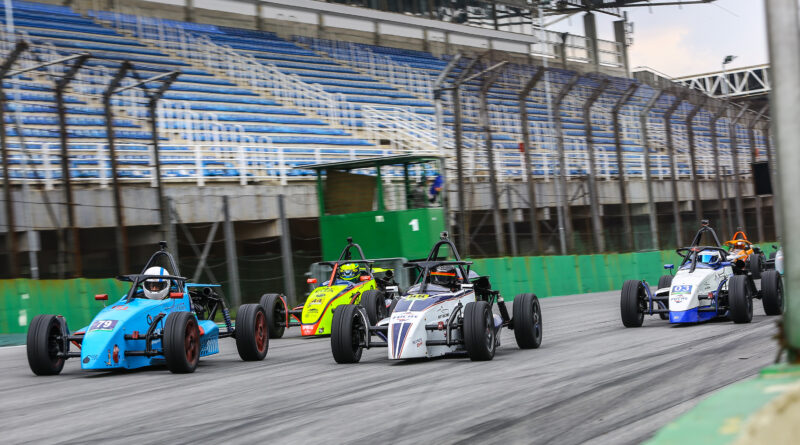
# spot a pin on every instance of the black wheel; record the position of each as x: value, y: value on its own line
x: 740, y: 299
x: 347, y: 334
x: 44, y: 345
x: 664, y: 281
x: 374, y: 301
x: 181, y: 342
x: 772, y: 292
x: 252, y: 333
x: 756, y: 265
x: 527, y: 321
x: 276, y: 311
x: 479, y: 333
x: 632, y: 304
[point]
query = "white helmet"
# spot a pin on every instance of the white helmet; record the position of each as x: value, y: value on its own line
x: 156, y: 288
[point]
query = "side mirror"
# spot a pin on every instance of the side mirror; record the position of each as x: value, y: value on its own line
x: 669, y: 266
x: 467, y: 285
x: 726, y: 263
x: 364, y: 278
x: 99, y: 297
x: 176, y: 295
x: 311, y: 280
x: 392, y: 289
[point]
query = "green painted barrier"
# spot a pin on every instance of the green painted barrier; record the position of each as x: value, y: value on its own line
x: 23, y: 299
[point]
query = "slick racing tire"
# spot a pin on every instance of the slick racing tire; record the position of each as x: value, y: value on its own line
x: 772, y: 292
x: 252, y: 333
x: 527, y: 321
x: 375, y: 303
x: 479, y: 332
x: 756, y: 265
x: 631, y: 304
x: 43, y: 344
x: 740, y: 299
x: 181, y: 342
x: 347, y: 331
x: 664, y: 281
x: 275, y: 308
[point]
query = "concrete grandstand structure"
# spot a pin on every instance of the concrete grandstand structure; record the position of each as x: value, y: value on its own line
x: 252, y: 106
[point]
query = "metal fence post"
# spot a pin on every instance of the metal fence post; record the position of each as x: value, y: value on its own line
x: 647, y: 173
x: 623, y: 195
x: 74, y: 234
x: 597, y: 222
x: 676, y: 209
x: 512, y: 230
x: 784, y: 39
x: 230, y: 255
x: 698, y: 202
x: 564, y: 214
x: 735, y: 154
x: 526, y: 145
x: 286, y: 251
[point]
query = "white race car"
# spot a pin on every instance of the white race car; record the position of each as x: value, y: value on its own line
x: 704, y: 287
x: 448, y: 310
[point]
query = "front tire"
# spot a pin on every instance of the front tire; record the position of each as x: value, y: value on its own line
x: 43, y: 345
x: 276, y: 311
x: 375, y: 303
x: 252, y: 333
x: 631, y: 304
x: 479, y: 332
x: 740, y: 299
x: 527, y: 321
x: 347, y: 331
x: 772, y: 292
x: 756, y: 265
x: 181, y: 342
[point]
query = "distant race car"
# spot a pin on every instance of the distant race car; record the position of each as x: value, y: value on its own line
x: 352, y: 281
x: 448, y: 310
x: 744, y: 255
x: 161, y: 320
x: 704, y: 287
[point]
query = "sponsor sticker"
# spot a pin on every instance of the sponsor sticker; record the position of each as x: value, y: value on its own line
x: 120, y: 308
x: 682, y: 289
x: 417, y: 296
x: 103, y: 325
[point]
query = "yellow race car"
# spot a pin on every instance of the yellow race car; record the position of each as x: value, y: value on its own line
x: 745, y: 255
x: 351, y: 281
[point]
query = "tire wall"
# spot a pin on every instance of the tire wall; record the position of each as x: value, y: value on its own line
x: 550, y: 276
x: 22, y: 299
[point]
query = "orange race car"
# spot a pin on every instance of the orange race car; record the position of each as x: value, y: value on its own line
x: 745, y: 255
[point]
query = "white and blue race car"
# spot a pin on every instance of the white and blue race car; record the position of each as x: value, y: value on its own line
x: 448, y: 310
x: 705, y: 287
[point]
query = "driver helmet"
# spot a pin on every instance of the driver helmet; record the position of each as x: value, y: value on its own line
x: 739, y: 245
x: 444, y: 275
x: 156, y: 288
x: 708, y: 257
x: 349, y: 272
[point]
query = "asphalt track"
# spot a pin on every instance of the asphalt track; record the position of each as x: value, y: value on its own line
x: 592, y: 381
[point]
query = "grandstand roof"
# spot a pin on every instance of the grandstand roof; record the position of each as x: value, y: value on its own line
x: 372, y: 162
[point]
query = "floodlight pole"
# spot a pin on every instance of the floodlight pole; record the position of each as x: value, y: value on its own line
x: 72, y: 229
x: 152, y: 104
x: 526, y: 144
x: 11, y: 230
x: 487, y: 83
x: 698, y: 202
x: 121, y: 233
x: 597, y: 222
x: 647, y: 173
x: 735, y: 154
x: 564, y: 214
x: 676, y: 209
x: 626, y: 211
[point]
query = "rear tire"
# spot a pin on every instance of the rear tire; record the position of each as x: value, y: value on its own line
x: 665, y: 281
x: 479, y: 333
x: 347, y: 331
x: 252, y: 333
x: 276, y: 312
x: 631, y: 305
x: 772, y: 292
x: 527, y: 321
x: 43, y: 346
x: 740, y: 299
x: 756, y: 265
x: 181, y: 342
x: 375, y: 303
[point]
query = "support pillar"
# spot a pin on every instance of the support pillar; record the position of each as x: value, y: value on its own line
x: 526, y: 144
x: 590, y: 31
x: 231, y: 259
x: 698, y: 201
x: 564, y: 214
x: 676, y: 210
x: 626, y: 211
x: 651, y: 204
x: 597, y: 221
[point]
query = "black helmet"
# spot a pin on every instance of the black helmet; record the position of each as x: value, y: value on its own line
x: 444, y: 275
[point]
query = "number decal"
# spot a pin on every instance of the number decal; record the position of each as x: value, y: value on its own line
x: 414, y: 223
x: 103, y: 325
x: 417, y: 296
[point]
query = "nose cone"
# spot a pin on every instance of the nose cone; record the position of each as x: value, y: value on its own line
x: 407, y: 335
x: 102, y: 349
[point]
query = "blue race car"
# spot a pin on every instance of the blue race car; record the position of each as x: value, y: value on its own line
x: 162, y: 320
